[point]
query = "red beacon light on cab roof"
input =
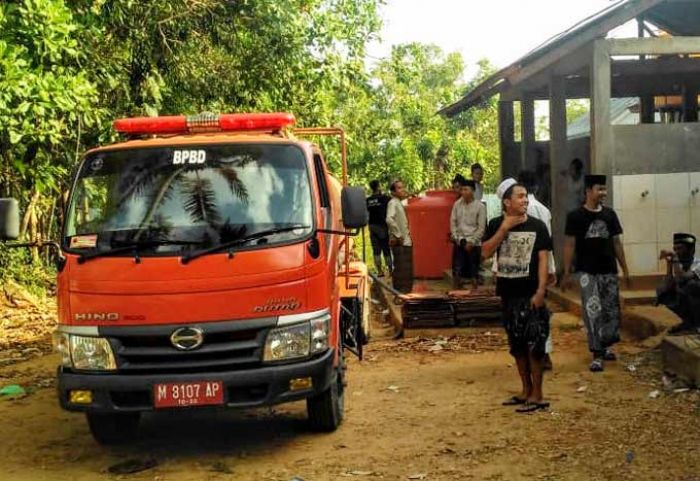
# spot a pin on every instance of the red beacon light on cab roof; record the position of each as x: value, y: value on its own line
x: 182, y: 124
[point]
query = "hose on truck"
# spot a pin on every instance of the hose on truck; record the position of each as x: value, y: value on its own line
x: 399, y: 299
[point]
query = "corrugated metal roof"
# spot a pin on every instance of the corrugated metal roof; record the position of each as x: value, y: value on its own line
x: 620, y: 114
x: 679, y: 16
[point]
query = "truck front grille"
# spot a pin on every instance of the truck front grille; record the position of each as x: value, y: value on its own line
x: 227, y: 346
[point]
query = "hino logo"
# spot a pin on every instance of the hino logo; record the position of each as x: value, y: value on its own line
x: 187, y: 338
x: 96, y: 316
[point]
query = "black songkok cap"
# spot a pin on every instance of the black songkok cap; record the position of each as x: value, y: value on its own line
x: 591, y: 180
x: 682, y: 238
x: 459, y: 178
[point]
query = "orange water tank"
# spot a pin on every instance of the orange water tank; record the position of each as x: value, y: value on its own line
x: 429, y: 221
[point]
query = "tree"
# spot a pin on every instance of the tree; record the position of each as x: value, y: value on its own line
x: 46, y: 100
x: 476, y: 133
x: 393, y: 121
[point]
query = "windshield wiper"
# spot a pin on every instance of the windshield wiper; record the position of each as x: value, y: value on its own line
x: 236, y: 242
x: 134, y: 246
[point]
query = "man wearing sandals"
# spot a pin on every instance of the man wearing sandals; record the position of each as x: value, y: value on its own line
x: 521, y: 245
x: 593, y: 233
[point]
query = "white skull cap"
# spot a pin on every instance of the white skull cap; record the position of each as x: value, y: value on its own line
x: 504, y: 186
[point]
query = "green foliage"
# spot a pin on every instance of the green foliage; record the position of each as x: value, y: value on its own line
x: 17, y: 264
x: 69, y: 67
x: 394, y: 129
x: 44, y: 95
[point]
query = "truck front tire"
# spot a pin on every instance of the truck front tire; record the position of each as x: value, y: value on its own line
x: 113, y: 428
x: 326, y: 410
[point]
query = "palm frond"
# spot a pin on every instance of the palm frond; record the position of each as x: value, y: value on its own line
x: 235, y: 184
x: 200, y: 200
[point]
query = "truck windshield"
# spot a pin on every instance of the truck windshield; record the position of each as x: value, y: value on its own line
x: 179, y: 199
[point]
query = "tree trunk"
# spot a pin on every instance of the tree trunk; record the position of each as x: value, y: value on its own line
x: 28, y: 214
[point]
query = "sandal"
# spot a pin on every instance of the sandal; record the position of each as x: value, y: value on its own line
x: 596, y: 365
x: 531, y: 407
x: 514, y: 401
x: 609, y: 356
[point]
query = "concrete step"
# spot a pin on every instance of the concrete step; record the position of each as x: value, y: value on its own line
x: 638, y: 297
x: 569, y: 300
x: 681, y: 356
x: 643, y: 322
x: 640, y: 319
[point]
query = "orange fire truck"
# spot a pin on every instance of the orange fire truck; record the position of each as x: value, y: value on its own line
x: 205, y: 262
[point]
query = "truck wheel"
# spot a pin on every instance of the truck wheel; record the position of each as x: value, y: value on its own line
x: 113, y: 428
x: 326, y: 409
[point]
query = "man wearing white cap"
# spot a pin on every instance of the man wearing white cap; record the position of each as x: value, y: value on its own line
x: 521, y: 244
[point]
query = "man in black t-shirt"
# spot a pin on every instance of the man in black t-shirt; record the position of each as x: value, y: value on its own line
x: 593, y: 233
x: 521, y: 245
x: 378, y: 230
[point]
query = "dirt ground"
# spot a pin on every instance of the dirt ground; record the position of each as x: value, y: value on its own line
x: 426, y: 408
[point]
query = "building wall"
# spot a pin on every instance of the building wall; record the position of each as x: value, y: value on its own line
x: 656, y: 183
x: 656, y: 148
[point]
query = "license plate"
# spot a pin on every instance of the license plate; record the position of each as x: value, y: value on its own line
x: 183, y: 394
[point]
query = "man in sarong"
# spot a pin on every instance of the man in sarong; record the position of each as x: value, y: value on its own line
x: 400, y: 239
x: 521, y: 245
x: 593, y: 233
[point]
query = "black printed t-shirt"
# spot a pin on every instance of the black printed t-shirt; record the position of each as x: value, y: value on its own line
x: 376, y: 206
x: 594, y: 233
x: 518, y: 258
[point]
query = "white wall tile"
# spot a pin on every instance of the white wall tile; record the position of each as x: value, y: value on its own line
x: 633, y: 186
x: 669, y: 221
x: 672, y: 190
x: 638, y: 225
x: 695, y: 187
x: 617, y: 192
x: 642, y: 258
x: 695, y: 221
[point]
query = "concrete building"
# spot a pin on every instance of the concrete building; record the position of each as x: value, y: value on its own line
x: 653, y: 163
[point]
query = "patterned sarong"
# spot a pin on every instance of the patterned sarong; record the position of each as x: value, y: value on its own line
x: 600, y: 303
x: 527, y: 328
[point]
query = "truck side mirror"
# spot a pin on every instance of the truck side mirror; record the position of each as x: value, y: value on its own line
x: 9, y: 219
x: 354, y: 207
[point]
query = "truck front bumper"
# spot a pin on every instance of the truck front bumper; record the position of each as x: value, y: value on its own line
x: 263, y: 386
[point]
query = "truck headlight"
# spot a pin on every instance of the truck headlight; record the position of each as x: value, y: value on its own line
x: 92, y: 354
x: 288, y: 343
x: 319, y: 333
x: 84, y: 352
x: 299, y: 336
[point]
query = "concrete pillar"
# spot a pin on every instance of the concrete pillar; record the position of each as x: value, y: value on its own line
x: 558, y: 161
x: 647, y: 109
x: 602, y: 141
x: 506, y: 134
x: 527, y: 129
x: 690, y: 103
